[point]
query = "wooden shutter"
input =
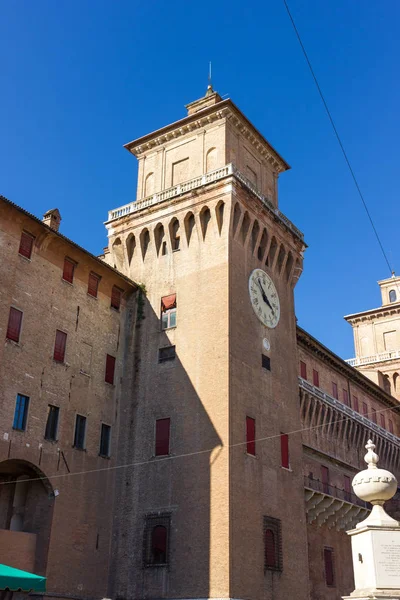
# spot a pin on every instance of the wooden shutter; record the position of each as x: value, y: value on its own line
x: 59, y: 346
x: 285, y: 450
x: 251, y: 436
x: 162, y: 437
x: 315, y: 378
x: 328, y: 560
x: 26, y: 245
x: 303, y: 370
x: 373, y: 416
x: 270, y: 549
x: 14, y: 324
x: 355, y: 404
x: 391, y: 426
x: 110, y: 369
x: 93, y: 284
x: 68, y: 271
x: 365, y: 409
x: 383, y: 421
x: 116, y: 297
x: 335, y: 390
x: 346, y: 397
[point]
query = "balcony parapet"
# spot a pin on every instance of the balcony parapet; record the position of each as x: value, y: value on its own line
x: 328, y: 505
x: 197, y: 182
x: 374, y: 358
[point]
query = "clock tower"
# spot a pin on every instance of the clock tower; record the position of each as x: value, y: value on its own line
x: 214, y: 504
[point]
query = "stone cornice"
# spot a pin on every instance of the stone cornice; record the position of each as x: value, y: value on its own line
x: 370, y: 315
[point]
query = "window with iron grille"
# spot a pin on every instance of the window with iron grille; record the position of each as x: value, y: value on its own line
x: 329, y: 567
x: 110, y: 369
x: 116, y: 295
x: 265, y: 362
x: 14, y: 324
x: 272, y: 544
x: 80, y: 432
x: 26, y: 244
x: 105, y: 440
x: 52, y: 422
x: 21, y: 412
x: 59, y: 346
x: 167, y: 353
x: 93, y: 284
x: 68, y: 270
x: 156, y: 540
x: 168, y: 311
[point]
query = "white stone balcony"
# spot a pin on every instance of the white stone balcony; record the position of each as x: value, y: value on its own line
x: 375, y: 358
x: 197, y: 182
x: 331, y: 506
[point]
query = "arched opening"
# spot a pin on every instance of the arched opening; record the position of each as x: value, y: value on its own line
x: 130, y: 246
x: 159, y: 545
x: 245, y: 227
x: 149, y: 185
x: 392, y: 296
x: 159, y: 235
x: 254, y: 235
x: 281, y: 258
x: 386, y: 384
x: 263, y: 245
x: 144, y: 242
x: 189, y: 223
x: 236, y: 218
x: 288, y: 266
x: 272, y: 252
x: 205, y: 218
x: 395, y: 378
x: 118, y: 253
x: 174, y: 234
x: 219, y: 213
x: 211, y: 160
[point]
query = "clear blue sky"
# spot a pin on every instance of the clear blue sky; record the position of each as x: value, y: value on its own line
x: 80, y: 79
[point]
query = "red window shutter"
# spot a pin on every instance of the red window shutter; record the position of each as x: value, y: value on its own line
x: 346, y: 397
x: 59, y: 346
x: 26, y: 245
x: 110, y: 369
x: 162, y: 437
x: 285, y: 450
x: 93, y: 285
x: 325, y: 479
x: 356, y: 405
x: 373, y: 415
x: 270, y: 550
x: 303, y: 370
x: 383, y: 421
x: 168, y: 302
x: 391, y: 426
x: 365, y: 409
x: 335, y: 391
x: 315, y: 378
x: 68, y: 271
x: 116, y: 297
x: 251, y: 436
x: 328, y: 560
x: 14, y: 324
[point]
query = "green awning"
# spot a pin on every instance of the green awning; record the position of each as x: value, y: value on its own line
x: 15, y: 580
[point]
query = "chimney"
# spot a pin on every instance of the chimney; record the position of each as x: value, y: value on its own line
x: 52, y: 218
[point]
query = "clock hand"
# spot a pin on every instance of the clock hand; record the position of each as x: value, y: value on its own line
x: 265, y: 297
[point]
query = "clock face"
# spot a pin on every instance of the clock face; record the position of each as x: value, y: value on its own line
x: 264, y: 298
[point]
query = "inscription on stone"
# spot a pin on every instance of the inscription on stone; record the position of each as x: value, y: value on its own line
x: 389, y: 560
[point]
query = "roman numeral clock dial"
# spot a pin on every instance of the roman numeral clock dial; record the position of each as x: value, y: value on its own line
x: 264, y: 298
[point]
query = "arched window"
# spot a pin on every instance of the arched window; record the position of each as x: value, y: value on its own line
x: 392, y: 296
x: 272, y: 544
x: 205, y: 218
x: 159, y: 545
x: 149, y: 185
x: 189, y: 226
x: 211, y: 160
x: 270, y: 550
x: 174, y: 234
x: 130, y: 246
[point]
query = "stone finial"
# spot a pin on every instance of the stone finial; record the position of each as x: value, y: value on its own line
x: 375, y: 485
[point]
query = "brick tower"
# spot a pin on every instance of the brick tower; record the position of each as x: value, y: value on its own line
x: 207, y: 512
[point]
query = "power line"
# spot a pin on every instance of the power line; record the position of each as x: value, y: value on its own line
x: 337, y: 136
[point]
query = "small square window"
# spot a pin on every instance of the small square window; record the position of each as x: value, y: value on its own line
x: 116, y: 295
x: 26, y: 244
x: 93, y: 284
x: 21, y: 412
x: 265, y: 362
x: 156, y: 540
x: 272, y: 544
x: 59, y: 346
x: 105, y: 440
x: 52, y: 423
x: 80, y: 432
x: 14, y: 324
x: 168, y: 311
x: 167, y: 353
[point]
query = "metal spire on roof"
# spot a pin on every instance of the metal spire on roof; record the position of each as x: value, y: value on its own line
x: 209, y: 87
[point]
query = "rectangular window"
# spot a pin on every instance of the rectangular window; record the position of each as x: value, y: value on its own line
x: 391, y: 426
x: 325, y: 479
x: 156, y: 540
x: 167, y: 353
x: 347, y: 488
x: 93, y: 284
x: 52, y: 423
x: 315, y: 376
x: 373, y: 415
x: 168, y: 311
x: 14, y: 324
x: 272, y: 544
x: 303, y: 370
x: 110, y: 369
x: 265, y: 362
x: 162, y: 437
x: 59, y: 346
x: 365, y: 409
x: 355, y: 404
x: 285, y: 450
x: 26, y: 244
x: 335, y: 390
x: 105, y: 440
x: 80, y: 432
x: 345, y: 397
x: 68, y: 270
x: 116, y: 295
x: 329, y: 567
x: 251, y: 436
x: 383, y: 421
x: 21, y: 412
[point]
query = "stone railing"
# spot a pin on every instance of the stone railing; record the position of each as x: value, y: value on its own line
x: 195, y: 183
x: 366, y: 360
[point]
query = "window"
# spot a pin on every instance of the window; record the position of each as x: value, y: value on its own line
x: 110, y: 369
x: 14, y: 324
x: 373, y: 415
x: 251, y: 436
x: 392, y: 296
x: 168, y: 311
x: 59, y: 346
x: 105, y: 440
x: 391, y: 426
x: 383, y: 421
x: 325, y: 479
x: 21, y: 412
x: 26, y: 244
x: 156, y: 540
x: 346, y: 397
x: 80, y: 432
x: 52, y: 423
x: 272, y: 544
x: 68, y: 271
x: 355, y: 404
x: 167, y: 353
x: 365, y: 409
x: 303, y: 370
x: 329, y: 570
x: 93, y: 285
x: 162, y: 437
x: 285, y: 450
x: 116, y: 295
x: 315, y: 376
x: 347, y: 488
x: 265, y: 362
x: 335, y: 391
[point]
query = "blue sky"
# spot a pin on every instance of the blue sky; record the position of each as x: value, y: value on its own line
x: 80, y: 79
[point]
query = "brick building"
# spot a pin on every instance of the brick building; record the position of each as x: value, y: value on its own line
x: 221, y: 406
